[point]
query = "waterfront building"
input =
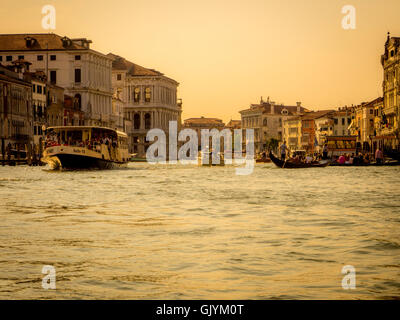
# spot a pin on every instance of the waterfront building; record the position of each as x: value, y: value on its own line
x: 323, y: 128
x: 73, y: 115
x: 16, y: 116
x: 62, y: 110
x: 363, y: 125
x: 197, y: 124
x: 379, y: 123
x: 341, y: 121
x: 234, y: 124
x: 149, y: 98
x: 266, y: 118
x: 84, y: 73
x: 309, y: 140
x: 366, y: 126
x: 39, y: 105
x: 389, y: 131
x: 292, y: 132
x: 118, y: 112
x: 55, y: 105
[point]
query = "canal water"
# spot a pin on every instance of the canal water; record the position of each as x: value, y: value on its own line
x: 188, y: 232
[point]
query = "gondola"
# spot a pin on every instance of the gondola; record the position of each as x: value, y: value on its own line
x: 394, y: 154
x: 291, y: 165
x: 263, y: 160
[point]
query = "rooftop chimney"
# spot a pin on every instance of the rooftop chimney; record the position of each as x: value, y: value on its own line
x: 298, y: 107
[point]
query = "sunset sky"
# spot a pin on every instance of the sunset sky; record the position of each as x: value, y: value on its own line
x: 226, y: 54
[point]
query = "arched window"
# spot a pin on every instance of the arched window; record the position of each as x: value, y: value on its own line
x: 147, y: 96
x: 77, y: 101
x: 136, y: 95
x: 265, y: 122
x: 136, y: 121
x: 147, y: 121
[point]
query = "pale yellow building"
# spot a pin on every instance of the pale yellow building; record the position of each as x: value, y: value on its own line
x: 292, y: 132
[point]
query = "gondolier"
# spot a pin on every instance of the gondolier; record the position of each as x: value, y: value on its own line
x: 284, y: 149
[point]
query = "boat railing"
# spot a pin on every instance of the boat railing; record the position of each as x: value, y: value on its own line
x: 93, y: 146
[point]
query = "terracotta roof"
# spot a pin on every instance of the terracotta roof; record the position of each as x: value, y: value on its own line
x: 203, y: 120
x: 131, y: 68
x: 42, y: 41
x: 9, y: 75
x: 373, y: 102
x: 233, y: 123
x: 266, y: 108
x: 316, y: 114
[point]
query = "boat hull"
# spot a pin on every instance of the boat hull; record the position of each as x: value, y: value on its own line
x: 74, y: 162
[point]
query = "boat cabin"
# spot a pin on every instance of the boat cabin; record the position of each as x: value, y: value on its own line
x: 85, y: 137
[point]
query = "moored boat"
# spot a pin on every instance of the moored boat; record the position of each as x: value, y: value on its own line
x: 85, y: 147
x: 287, y: 164
x: 373, y: 164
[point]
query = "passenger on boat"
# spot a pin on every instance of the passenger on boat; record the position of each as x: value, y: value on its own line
x: 342, y: 159
x: 325, y: 151
x: 351, y: 159
x: 297, y: 159
x: 366, y: 158
x: 378, y: 156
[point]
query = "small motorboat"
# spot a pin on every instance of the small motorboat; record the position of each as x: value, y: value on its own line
x: 288, y: 164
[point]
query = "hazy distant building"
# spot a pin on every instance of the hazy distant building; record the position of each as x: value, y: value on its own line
x: 149, y: 98
x: 309, y: 136
x: 85, y: 74
x: 266, y: 118
x: 197, y: 124
x: 234, y: 124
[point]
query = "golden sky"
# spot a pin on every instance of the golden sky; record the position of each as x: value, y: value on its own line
x: 227, y: 53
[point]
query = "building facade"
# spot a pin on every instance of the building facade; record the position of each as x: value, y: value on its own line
x: 266, y: 118
x: 292, y: 132
x: 39, y: 106
x: 149, y: 98
x: 390, y: 60
x: 85, y: 74
x: 16, y: 116
x: 363, y: 124
x: 309, y: 128
x: 198, y: 124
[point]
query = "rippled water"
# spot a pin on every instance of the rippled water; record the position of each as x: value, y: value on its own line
x: 188, y: 232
